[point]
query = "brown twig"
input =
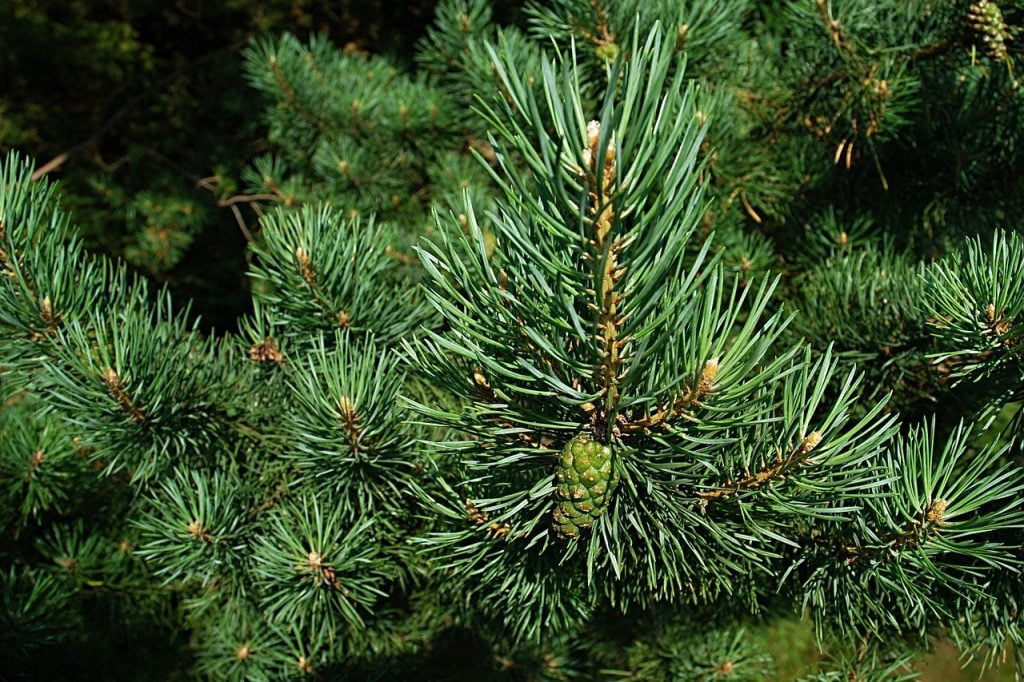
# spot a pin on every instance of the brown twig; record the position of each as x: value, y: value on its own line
x: 113, y: 382
x: 684, y: 401
x: 309, y: 276
x: 765, y: 474
x: 910, y: 536
x: 241, y: 223
x: 607, y: 271
x: 605, y: 35
x: 350, y: 424
x: 245, y: 198
x: 832, y: 25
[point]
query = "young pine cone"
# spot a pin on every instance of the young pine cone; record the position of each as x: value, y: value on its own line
x: 987, y: 21
x: 586, y: 478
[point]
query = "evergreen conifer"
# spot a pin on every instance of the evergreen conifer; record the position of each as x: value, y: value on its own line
x: 595, y: 346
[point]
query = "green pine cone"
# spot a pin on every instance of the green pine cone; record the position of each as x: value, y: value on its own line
x: 584, y: 483
x: 987, y: 21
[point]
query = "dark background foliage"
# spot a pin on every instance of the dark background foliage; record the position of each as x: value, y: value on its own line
x: 135, y: 102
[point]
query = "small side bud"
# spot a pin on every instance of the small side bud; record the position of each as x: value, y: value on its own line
x: 305, y: 267
x: 811, y: 441
x: 266, y: 351
x: 35, y: 461
x: 708, y: 376
x: 198, y: 531
x: 681, y: 35
x: 347, y: 405
x: 936, y: 511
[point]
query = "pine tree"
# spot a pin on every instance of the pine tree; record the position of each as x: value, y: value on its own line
x: 597, y: 346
